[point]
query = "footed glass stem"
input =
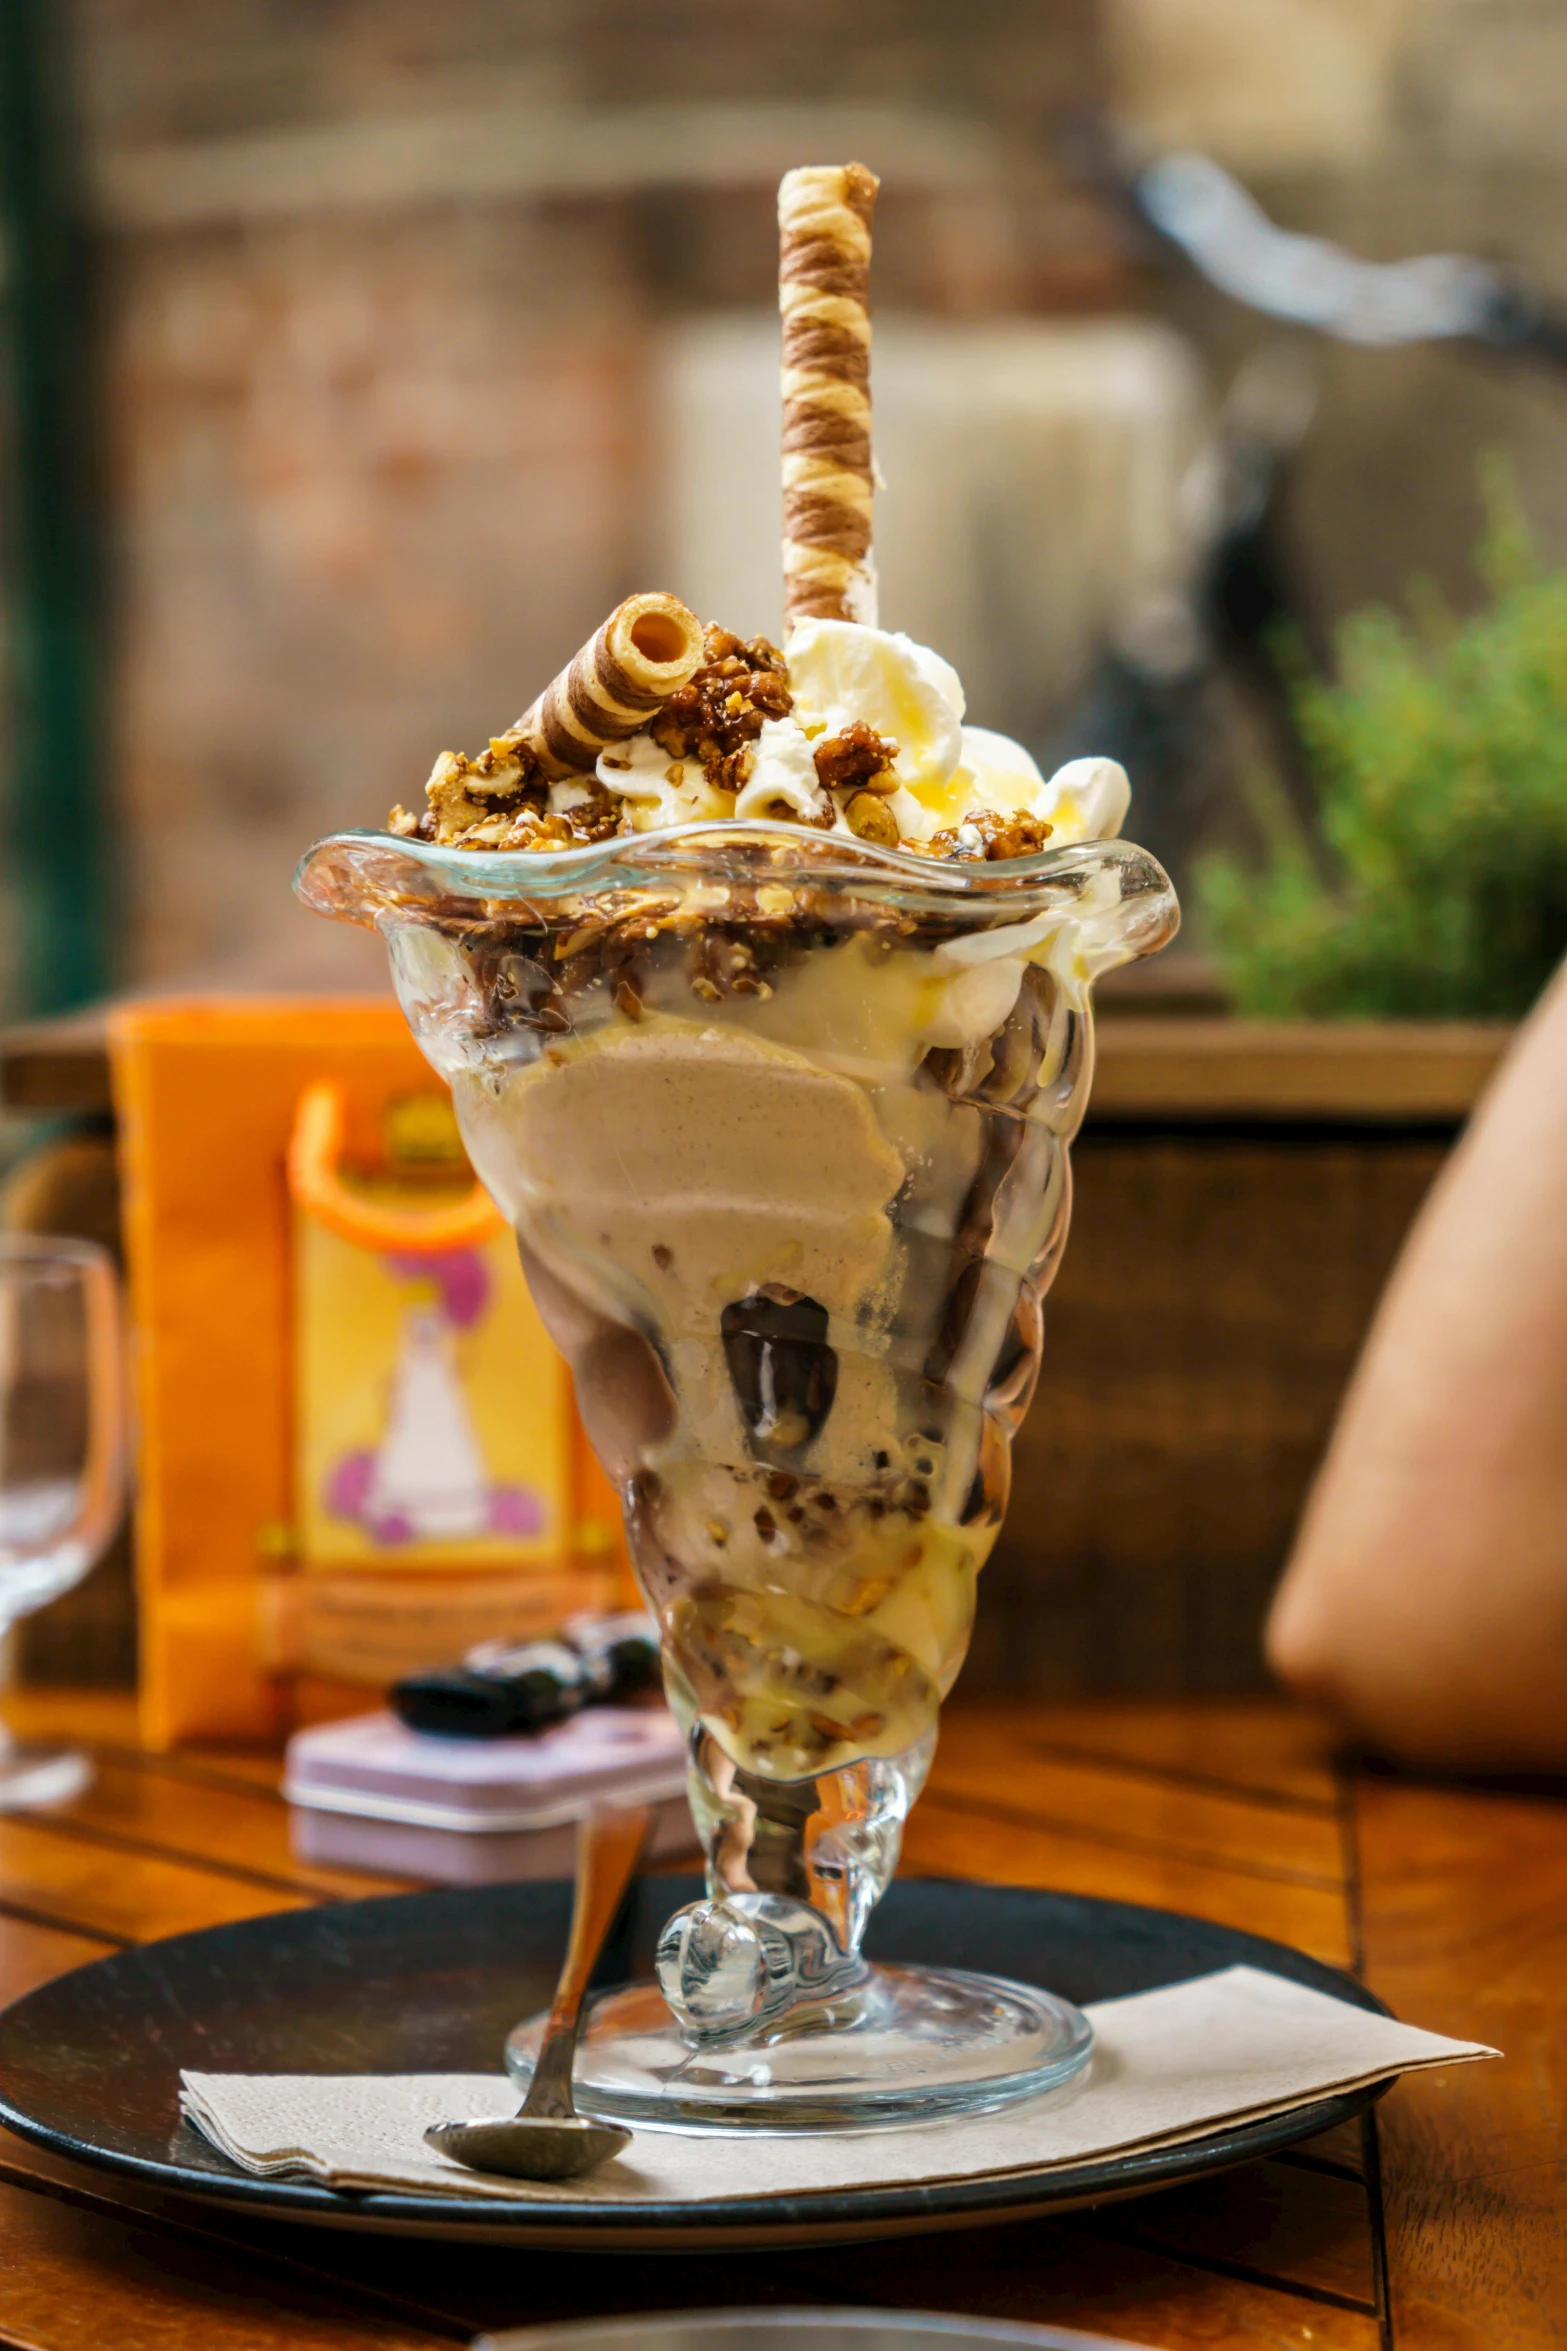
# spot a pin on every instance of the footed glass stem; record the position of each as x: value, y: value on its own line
x: 904, y: 2045
x: 765, y: 2013
x: 794, y: 1869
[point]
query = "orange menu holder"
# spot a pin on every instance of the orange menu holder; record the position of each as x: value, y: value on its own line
x: 295, y: 1308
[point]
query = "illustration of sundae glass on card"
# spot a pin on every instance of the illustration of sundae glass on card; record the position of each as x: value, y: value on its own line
x: 425, y: 1480
x: 415, y: 1342
x: 762, y: 980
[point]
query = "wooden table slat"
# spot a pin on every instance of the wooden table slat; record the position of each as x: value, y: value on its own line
x: 476, y: 2287
x: 1069, y: 2272
x: 946, y: 1839
x: 1259, y: 1069
x: 1080, y: 2273
x: 241, y: 1829
x: 1134, y: 1807
x: 32, y: 1954
x: 75, y: 2280
x: 78, y: 1717
x: 1464, y: 1916
x: 1245, y: 1746
x: 319, y: 2257
x: 91, y: 1887
x: 1312, y: 2229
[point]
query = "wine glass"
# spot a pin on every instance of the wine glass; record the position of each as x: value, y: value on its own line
x: 62, y: 1455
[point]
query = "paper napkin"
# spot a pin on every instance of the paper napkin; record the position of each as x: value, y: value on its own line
x: 1168, y: 2065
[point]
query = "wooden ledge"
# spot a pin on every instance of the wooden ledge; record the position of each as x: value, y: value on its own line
x: 1395, y: 1073
x: 48, y: 1066
x: 1150, y: 1066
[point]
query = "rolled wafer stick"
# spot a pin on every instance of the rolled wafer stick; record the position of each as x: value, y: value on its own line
x: 824, y: 255
x: 647, y: 650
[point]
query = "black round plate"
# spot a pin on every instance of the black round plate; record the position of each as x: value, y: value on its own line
x: 431, y: 1983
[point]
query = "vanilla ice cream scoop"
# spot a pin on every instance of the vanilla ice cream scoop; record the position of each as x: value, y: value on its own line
x: 841, y: 673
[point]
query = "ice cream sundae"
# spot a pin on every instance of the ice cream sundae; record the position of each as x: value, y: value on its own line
x: 761, y: 979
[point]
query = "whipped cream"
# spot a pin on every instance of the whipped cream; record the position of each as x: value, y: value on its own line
x: 842, y: 674
x: 659, y: 790
x: 783, y: 767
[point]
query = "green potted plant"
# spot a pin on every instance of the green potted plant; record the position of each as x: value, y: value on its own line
x: 1438, y: 889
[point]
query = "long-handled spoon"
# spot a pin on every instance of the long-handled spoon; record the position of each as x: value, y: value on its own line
x: 549, y: 2139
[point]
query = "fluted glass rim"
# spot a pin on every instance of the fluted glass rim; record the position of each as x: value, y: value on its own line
x: 372, y: 877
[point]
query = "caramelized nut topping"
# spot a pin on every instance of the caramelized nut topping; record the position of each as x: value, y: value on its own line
x: 871, y: 819
x: 720, y: 713
x: 993, y: 833
x: 858, y: 758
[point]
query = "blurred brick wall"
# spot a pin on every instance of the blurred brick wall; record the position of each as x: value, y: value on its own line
x: 374, y: 480
x: 196, y: 68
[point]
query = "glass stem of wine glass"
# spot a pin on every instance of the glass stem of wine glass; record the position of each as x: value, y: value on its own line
x: 62, y: 1455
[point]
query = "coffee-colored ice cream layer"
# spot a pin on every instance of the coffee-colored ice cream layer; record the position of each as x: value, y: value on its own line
x: 693, y: 1164
x: 786, y: 1261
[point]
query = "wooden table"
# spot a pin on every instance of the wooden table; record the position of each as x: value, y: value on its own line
x: 1436, y: 2226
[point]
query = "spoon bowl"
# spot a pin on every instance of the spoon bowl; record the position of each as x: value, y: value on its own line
x: 530, y: 2148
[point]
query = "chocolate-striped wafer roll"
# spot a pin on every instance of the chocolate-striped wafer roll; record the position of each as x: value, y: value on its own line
x: 824, y: 256
x: 647, y: 650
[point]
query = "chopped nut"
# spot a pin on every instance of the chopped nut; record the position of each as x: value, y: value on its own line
x: 992, y: 833
x: 724, y: 966
x: 856, y: 759
x: 499, y: 802
x: 718, y: 714
x: 870, y: 819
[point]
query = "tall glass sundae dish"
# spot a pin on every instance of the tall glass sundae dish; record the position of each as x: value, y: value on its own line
x: 761, y: 981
